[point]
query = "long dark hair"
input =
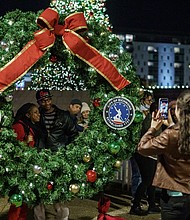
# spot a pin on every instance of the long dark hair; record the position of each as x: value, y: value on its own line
x: 20, y: 117
x: 183, y: 105
x: 146, y: 94
x: 22, y: 111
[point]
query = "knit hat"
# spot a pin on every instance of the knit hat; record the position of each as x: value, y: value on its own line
x: 43, y: 93
x: 76, y: 101
x: 85, y: 107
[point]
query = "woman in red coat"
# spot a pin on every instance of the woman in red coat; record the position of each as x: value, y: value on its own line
x: 25, y: 126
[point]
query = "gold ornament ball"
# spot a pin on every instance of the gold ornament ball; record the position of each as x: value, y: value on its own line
x: 86, y: 158
x: 74, y: 188
x: 117, y: 164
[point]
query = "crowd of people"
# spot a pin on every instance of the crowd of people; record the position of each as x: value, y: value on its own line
x: 47, y: 126
x: 161, y: 159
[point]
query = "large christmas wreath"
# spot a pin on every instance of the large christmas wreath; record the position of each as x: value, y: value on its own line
x: 85, y: 166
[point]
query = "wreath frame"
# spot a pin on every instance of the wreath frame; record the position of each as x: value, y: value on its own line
x: 46, y: 177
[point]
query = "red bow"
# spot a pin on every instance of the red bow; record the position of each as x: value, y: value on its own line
x: 45, y: 38
x: 103, y: 207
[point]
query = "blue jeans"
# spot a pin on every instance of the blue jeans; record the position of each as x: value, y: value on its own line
x: 175, y: 207
x: 136, y: 177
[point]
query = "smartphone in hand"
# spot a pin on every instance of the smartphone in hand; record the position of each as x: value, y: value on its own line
x: 163, y: 107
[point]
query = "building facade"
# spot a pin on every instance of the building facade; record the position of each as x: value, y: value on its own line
x: 160, y: 64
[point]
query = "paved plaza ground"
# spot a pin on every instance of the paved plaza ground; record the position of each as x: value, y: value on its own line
x: 87, y: 209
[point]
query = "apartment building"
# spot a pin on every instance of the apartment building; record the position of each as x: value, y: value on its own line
x: 161, y: 65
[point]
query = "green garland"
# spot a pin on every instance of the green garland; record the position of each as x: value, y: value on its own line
x: 43, y: 176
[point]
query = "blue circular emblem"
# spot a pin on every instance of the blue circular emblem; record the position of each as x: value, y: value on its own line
x: 118, y: 113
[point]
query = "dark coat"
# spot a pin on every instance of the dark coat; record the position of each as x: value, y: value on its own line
x: 75, y: 121
x: 62, y: 132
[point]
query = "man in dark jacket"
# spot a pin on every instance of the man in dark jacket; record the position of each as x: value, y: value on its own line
x: 60, y: 130
x: 74, y: 108
x: 57, y: 124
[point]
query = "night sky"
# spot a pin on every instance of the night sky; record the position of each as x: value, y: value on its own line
x: 24, y: 5
x: 158, y: 16
x: 143, y: 16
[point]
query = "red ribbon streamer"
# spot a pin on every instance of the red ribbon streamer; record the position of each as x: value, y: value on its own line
x: 45, y: 38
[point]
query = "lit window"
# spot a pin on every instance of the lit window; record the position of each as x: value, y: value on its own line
x: 150, y: 63
x: 150, y: 77
x: 151, y: 48
x: 177, y: 65
x: 176, y: 50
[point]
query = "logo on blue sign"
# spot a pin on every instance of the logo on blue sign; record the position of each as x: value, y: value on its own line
x: 119, y: 113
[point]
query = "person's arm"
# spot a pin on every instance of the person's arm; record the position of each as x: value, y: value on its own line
x: 21, y: 134
x: 80, y: 128
x: 19, y: 131
x: 149, y: 144
x: 70, y: 128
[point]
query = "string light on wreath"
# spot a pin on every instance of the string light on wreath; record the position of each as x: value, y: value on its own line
x: 31, y: 185
x: 9, y: 97
x: 4, y: 119
x: 90, y: 34
x: 113, y: 56
x: 4, y: 45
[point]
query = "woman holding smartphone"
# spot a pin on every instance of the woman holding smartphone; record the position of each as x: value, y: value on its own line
x: 172, y: 148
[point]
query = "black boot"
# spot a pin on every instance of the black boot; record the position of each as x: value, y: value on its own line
x: 136, y: 210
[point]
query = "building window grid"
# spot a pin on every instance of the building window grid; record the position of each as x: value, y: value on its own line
x: 178, y: 57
